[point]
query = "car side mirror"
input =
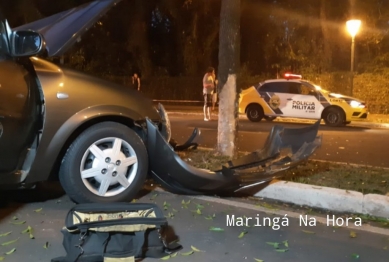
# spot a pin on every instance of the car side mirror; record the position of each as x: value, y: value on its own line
x: 26, y: 43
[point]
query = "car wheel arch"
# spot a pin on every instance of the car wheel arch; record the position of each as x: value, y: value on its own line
x: 56, y: 144
x: 84, y: 126
x: 251, y: 104
x: 325, y: 111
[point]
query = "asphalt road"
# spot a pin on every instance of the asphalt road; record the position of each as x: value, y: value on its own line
x: 351, y: 144
x: 304, y: 243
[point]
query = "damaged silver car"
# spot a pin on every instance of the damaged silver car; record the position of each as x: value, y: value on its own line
x: 100, y: 139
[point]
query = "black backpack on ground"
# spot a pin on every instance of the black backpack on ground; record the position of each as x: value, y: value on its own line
x: 115, y: 232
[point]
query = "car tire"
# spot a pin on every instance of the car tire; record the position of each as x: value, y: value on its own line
x: 108, y: 162
x: 270, y: 118
x: 334, y: 117
x: 254, y: 113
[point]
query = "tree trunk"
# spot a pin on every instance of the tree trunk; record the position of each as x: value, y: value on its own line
x: 229, y: 60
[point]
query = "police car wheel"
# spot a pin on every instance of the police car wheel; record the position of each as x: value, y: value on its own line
x: 334, y: 117
x: 254, y: 113
x: 270, y: 118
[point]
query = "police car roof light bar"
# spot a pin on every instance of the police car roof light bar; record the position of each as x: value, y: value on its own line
x: 292, y: 76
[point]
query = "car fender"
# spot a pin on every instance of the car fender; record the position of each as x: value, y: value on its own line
x: 53, y: 141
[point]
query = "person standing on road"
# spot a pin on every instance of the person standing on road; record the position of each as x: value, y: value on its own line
x: 208, y: 89
x: 135, y: 82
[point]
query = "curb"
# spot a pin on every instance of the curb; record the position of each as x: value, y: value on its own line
x: 334, y: 199
x: 296, y: 120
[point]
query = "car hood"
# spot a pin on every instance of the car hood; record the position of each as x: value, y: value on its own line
x: 340, y: 96
x: 62, y: 30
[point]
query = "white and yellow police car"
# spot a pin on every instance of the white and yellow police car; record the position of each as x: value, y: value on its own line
x: 298, y: 98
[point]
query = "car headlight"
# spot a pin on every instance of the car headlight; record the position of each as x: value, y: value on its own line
x: 356, y: 104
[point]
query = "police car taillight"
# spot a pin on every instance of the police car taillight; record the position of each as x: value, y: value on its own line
x: 292, y: 76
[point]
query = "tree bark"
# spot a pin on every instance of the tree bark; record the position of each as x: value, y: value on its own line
x: 229, y: 60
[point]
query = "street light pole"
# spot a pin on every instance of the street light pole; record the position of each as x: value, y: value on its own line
x: 353, y: 27
x: 352, y: 64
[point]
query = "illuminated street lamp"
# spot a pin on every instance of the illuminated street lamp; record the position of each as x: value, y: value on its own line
x: 353, y: 28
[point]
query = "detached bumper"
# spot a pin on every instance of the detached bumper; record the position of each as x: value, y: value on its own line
x: 284, y: 149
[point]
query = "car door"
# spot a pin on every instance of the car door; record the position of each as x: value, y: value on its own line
x: 19, y: 110
x: 277, y: 95
x: 304, y: 101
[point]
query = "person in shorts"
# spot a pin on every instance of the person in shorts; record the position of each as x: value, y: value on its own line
x: 208, y: 89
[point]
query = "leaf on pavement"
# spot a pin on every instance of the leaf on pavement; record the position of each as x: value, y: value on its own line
x: 46, y: 245
x: 153, y: 196
x: 353, y: 234
x: 196, y: 249
x: 5, y: 234
x: 219, y: 229
x: 38, y: 210
x: 9, y: 242
x: 11, y: 251
x: 274, y: 244
x: 286, y: 244
x: 282, y: 250
x: 15, y: 218
x: 174, y: 255
x: 187, y: 253
x: 174, y: 210
x: 165, y: 258
x: 2, y: 258
x: 356, y: 256
x: 19, y: 223
x: 259, y: 260
x: 208, y: 218
x: 242, y: 234
x: 308, y: 232
x: 199, y: 206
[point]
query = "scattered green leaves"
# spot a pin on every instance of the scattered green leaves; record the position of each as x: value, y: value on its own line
x: 355, y: 256
x: 187, y: 253
x: 218, y: 229
x: 286, y: 244
x: 196, y: 249
x: 259, y: 260
x: 165, y: 258
x: 185, y: 204
x: 166, y: 205
x: 19, y: 223
x: 153, y: 197
x: 46, y: 245
x: 11, y: 251
x: 29, y: 231
x: 174, y: 254
x: 282, y: 250
x: 170, y: 215
x: 5, y: 234
x: 9, y: 242
x: 15, y: 218
x: 38, y: 210
x: 308, y: 232
x: 199, y: 206
x: 2, y: 258
x: 174, y: 210
x: 242, y: 234
x: 353, y: 234
x: 210, y: 217
x: 274, y: 244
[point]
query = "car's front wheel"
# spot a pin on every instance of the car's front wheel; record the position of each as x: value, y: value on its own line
x: 334, y: 117
x: 254, y: 113
x: 108, y: 162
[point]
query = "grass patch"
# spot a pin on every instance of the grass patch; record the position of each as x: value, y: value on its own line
x: 367, y: 180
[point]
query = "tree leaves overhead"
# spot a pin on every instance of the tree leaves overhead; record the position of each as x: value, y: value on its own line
x: 180, y: 37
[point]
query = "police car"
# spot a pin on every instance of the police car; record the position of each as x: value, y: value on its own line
x: 298, y: 98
